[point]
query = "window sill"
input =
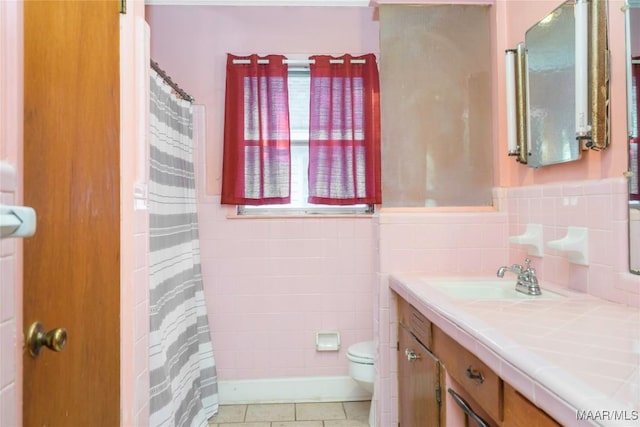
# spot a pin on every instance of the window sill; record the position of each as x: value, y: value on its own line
x: 232, y: 213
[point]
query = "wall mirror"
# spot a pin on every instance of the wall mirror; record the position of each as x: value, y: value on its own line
x: 567, y: 85
x: 633, y: 104
x: 551, y: 70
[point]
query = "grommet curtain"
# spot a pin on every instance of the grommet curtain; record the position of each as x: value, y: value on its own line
x: 344, y: 130
x: 257, y: 160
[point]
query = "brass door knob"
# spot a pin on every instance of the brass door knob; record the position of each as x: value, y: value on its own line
x: 37, y: 338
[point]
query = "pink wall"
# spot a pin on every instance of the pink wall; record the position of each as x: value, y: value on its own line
x: 463, y: 243
x: 11, y: 66
x: 590, y: 185
x: 271, y: 284
x: 191, y: 44
x: 587, y: 193
x: 436, y: 243
x: 601, y: 207
x: 522, y: 14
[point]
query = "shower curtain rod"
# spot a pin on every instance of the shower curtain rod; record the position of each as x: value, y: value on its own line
x: 300, y: 62
x: 184, y: 95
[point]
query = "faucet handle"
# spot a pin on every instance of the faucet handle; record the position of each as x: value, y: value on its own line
x: 530, y: 273
x: 517, y: 268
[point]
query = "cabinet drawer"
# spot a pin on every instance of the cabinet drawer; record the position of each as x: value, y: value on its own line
x: 480, y: 382
x: 415, y: 321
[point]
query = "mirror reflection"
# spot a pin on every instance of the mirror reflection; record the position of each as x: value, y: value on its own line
x: 551, y: 77
x: 633, y: 100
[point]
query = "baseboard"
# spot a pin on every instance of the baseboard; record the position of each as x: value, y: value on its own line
x: 291, y: 389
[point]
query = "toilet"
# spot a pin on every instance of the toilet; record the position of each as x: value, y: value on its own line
x: 361, y: 357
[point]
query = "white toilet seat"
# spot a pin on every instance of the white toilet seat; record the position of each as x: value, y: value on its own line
x: 362, y: 352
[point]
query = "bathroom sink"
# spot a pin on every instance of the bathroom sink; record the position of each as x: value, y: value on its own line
x: 485, y: 289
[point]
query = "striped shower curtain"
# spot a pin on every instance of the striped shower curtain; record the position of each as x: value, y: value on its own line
x: 183, y: 382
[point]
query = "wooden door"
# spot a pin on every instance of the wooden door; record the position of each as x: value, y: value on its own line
x: 418, y: 383
x: 72, y: 179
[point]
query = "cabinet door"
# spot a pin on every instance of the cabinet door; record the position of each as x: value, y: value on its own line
x: 418, y: 383
x: 520, y: 412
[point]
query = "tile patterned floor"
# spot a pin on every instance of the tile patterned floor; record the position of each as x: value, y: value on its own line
x: 326, y: 414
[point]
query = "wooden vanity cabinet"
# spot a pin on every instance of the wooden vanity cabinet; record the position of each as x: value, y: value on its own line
x: 426, y: 353
x: 478, y: 381
x: 419, y: 371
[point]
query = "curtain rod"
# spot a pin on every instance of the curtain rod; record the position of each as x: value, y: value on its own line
x: 299, y: 61
x: 181, y: 93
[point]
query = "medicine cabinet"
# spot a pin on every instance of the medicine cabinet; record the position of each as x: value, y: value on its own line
x: 562, y: 107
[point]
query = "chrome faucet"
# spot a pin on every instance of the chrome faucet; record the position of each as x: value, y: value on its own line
x: 527, y: 281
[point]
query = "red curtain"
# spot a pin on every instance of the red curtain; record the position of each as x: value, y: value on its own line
x: 344, y: 131
x: 256, y: 164
x: 634, y: 154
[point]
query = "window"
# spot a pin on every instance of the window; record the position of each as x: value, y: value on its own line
x: 299, y: 91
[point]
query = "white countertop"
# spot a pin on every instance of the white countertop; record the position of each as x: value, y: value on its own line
x: 577, y: 356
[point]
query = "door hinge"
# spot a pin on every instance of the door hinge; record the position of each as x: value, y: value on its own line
x: 398, y: 345
x: 439, y: 395
x: 123, y: 6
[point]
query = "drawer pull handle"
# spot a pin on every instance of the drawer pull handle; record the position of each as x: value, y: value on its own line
x: 467, y: 409
x: 474, y: 375
x: 411, y: 355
